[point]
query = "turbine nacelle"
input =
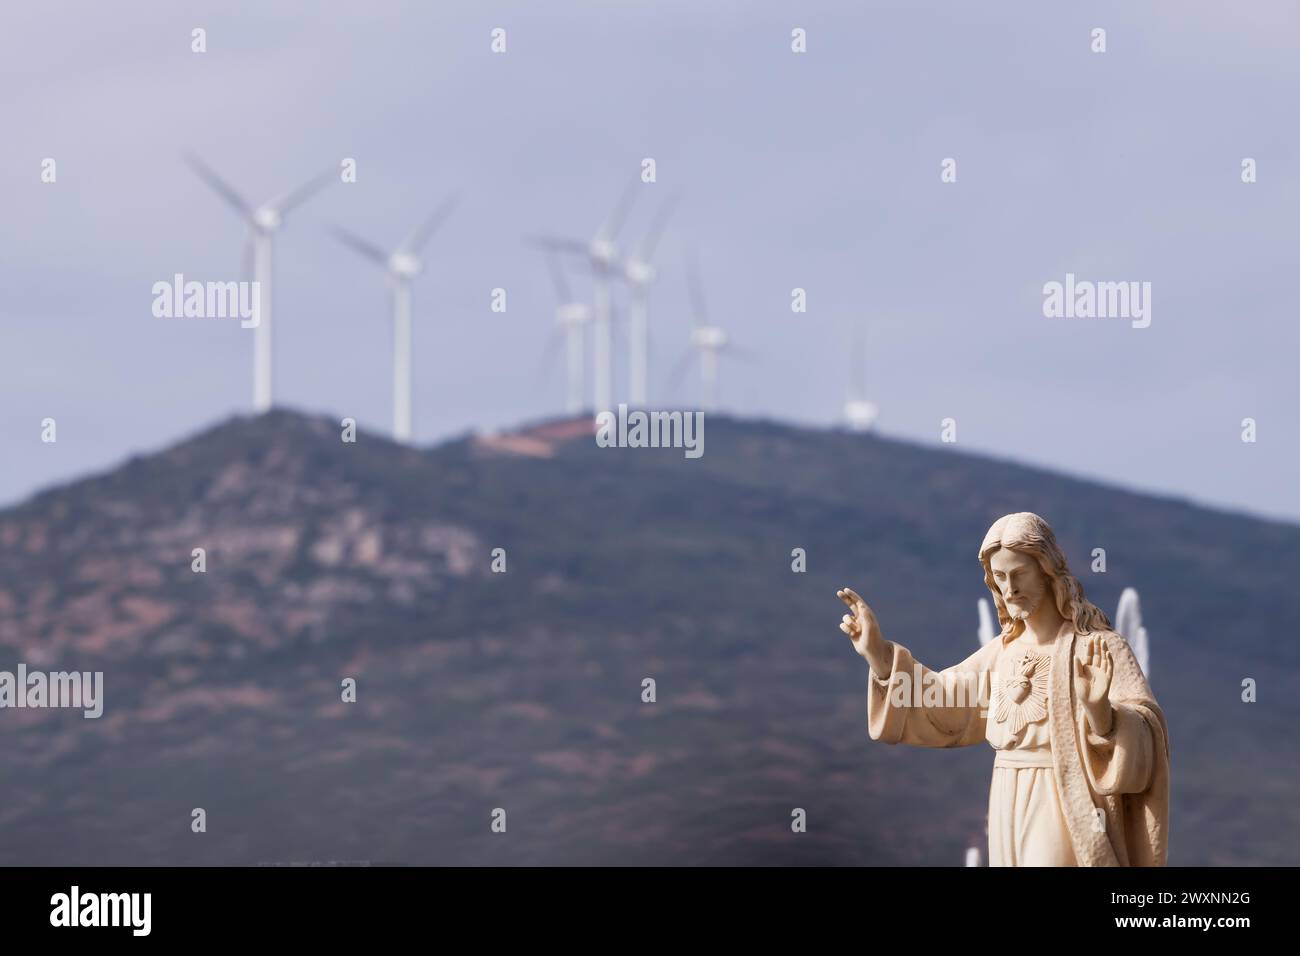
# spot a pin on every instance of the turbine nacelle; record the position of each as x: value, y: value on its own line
x: 708, y: 337
x: 573, y: 313
x: 860, y: 414
x: 639, y: 272
x: 603, y: 252
x: 267, y: 219
x: 403, y: 265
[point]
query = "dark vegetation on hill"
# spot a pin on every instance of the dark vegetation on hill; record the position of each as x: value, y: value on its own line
x: 522, y: 690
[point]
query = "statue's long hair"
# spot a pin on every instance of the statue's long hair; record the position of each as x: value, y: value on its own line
x: 1025, y: 532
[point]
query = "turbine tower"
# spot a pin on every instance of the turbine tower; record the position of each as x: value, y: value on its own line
x: 640, y: 274
x: 602, y: 255
x: 859, y: 414
x: 263, y: 222
x: 401, y: 266
x: 571, y: 318
x: 1128, y: 624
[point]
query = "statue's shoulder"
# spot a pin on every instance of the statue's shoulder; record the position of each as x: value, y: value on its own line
x: 1115, y: 643
x: 1113, y: 639
x: 988, y: 653
x: 1081, y: 639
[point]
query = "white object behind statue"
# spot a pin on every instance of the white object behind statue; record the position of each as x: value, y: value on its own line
x: 1128, y: 623
x: 986, y: 623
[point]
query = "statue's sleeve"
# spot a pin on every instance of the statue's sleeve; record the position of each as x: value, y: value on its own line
x: 951, y: 714
x: 1121, y: 761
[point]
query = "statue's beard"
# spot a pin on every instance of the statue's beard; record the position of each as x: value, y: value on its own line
x: 1021, y: 611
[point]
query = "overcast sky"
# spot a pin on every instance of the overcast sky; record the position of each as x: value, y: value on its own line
x: 818, y: 170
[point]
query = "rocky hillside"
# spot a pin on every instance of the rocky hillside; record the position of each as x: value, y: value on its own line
x: 522, y: 690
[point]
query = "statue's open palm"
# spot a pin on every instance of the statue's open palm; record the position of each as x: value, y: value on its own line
x: 1092, y: 678
x: 1092, y: 675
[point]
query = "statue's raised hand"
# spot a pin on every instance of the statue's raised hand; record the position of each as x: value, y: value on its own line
x: 1092, y: 675
x: 863, y: 629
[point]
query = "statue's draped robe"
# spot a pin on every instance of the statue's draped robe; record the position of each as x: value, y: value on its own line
x: 1061, y: 794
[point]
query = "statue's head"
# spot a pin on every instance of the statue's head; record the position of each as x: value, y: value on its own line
x: 1024, y: 566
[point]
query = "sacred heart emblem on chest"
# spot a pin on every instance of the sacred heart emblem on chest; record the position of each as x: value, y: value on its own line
x: 1022, y: 694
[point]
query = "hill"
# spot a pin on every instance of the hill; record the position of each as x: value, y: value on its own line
x: 522, y: 689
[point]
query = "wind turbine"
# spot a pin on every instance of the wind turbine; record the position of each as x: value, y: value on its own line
x: 708, y: 340
x: 602, y: 255
x: 571, y: 318
x: 401, y: 266
x: 640, y: 274
x: 263, y: 222
x: 859, y: 414
x: 1128, y: 624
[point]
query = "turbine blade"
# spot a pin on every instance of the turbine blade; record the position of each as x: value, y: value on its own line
x: 357, y: 244
x: 562, y: 293
x: 646, y: 250
x: 652, y: 356
x: 297, y: 197
x: 741, y: 352
x: 679, y: 371
x: 696, y: 289
x: 546, y: 362
x: 558, y: 243
x: 219, y: 185
x: 609, y: 230
x: 247, y: 264
x: 415, y: 242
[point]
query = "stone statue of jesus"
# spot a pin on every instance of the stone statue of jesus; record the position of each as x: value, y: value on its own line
x: 1081, y: 772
